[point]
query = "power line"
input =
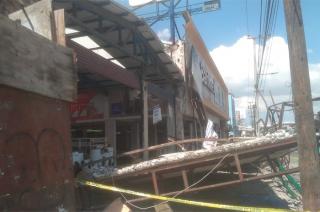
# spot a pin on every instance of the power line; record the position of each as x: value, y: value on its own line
x: 274, y: 21
x: 268, y: 14
x: 173, y: 10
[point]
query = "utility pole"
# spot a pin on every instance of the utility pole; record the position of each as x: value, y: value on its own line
x: 251, y: 108
x: 256, y: 91
x: 256, y: 97
x: 309, y: 162
x: 172, y: 23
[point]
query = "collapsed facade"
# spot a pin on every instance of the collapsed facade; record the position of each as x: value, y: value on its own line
x: 115, y: 103
x: 109, y: 111
x: 130, y: 93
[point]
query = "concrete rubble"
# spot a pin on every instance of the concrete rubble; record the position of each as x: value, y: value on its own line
x: 274, y: 138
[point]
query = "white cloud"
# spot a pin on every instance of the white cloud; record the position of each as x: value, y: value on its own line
x: 309, y: 51
x: 235, y: 64
x: 164, y: 34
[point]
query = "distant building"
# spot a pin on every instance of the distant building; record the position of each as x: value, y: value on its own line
x: 238, y: 117
x: 232, y: 115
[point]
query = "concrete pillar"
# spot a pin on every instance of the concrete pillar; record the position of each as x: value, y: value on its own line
x: 170, y: 121
x: 179, y: 120
x: 145, y: 119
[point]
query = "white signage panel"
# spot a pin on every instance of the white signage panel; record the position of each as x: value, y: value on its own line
x: 211, y: 5
x: 156, y: 115
x: 136, y: 3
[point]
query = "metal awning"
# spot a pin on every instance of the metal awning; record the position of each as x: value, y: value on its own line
x: 94, y: 71
x: 125, y: 37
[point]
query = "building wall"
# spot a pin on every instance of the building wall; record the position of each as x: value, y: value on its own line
x: 35, y: 168
x: 207, y: 79
x: 36, y: 171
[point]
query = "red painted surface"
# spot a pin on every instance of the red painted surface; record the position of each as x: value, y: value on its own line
x: 82, y: 101
x: 35, y: 152
x: 82, y: 108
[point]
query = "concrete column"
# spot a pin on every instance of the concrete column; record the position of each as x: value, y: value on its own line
x: 170, y: 121
x: 145, y: 120
x: 179, y: 120
x: 138, y: 135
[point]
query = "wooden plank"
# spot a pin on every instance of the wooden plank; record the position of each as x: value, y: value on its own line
x: 309, y: 161
x: 59, y: 27
x: 155, y: 183
x: 238, y: 165
x: 31, y: 62
x: 170, y: 143
x: 185, y: 178
x: 223, y: 184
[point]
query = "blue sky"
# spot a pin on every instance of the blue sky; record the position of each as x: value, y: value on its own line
x: 225, y: 26
x: 224, y: 32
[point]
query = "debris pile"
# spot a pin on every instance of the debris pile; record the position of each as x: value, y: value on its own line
x: 202, y: 153
x: 281, y: 133
x: 98, y: 170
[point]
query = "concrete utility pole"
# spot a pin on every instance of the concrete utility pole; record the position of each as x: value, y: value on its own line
x: 255, y: 108
x: 307, y: 147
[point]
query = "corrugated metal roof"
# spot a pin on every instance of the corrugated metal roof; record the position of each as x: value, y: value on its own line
x: 127, y: 38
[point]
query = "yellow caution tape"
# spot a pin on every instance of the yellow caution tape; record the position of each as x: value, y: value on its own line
x: 182, y: 201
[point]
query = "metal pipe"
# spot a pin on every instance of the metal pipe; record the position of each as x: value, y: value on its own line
x: 260, y: 177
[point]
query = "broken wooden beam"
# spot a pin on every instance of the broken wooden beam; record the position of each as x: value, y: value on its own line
x: 219, y: 185
x: 183, y: 158
x: 170, y: 143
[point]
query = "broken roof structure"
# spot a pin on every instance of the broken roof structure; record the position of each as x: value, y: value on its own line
x: 125, y: 37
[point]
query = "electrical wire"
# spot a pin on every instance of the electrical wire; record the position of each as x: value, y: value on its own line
x: 180, y: 192
x: 269, y: 29
x: 267, y: 25
x: 265, y: 66
x: 151, y: 14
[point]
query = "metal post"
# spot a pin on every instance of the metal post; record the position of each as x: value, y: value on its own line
x: 172, y: 24
x: 256, y: 87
